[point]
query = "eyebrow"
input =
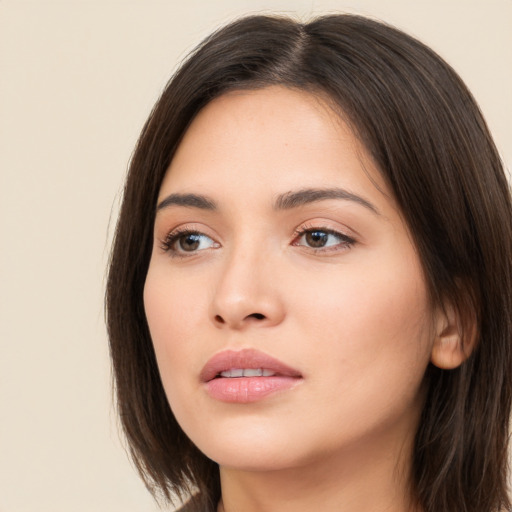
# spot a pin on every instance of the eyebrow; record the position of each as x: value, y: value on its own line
x: 187, y: 200
x: 286, y: 201
x: 290, y: 199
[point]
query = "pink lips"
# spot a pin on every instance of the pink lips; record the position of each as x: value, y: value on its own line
x: 264, y: 376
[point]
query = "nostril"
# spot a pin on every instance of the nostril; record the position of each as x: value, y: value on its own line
x: 219, y: 320
x: 258, y: 316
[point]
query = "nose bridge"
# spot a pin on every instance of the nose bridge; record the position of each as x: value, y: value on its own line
x: 246, y: 291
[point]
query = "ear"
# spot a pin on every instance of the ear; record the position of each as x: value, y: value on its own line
x: 454, y: 340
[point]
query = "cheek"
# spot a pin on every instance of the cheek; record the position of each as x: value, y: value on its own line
x: 172, y: 315
x: 174, y: 303
x: 371, y: 327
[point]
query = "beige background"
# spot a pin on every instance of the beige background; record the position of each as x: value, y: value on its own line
x: 77, y: 80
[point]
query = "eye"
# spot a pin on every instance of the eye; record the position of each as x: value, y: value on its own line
x: 321, y: 238
x: 178, y: 243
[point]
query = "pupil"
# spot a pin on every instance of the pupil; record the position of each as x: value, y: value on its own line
x: 190, y: 242
x: 316, y: 238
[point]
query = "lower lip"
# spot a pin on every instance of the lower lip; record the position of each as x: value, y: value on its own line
x: 244, y: 390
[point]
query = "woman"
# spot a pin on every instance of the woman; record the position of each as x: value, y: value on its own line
x: 310, y: 288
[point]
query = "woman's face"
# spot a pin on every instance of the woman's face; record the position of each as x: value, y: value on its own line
x: 285, y: 298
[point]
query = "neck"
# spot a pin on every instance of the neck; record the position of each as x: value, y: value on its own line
x: 358, y: 480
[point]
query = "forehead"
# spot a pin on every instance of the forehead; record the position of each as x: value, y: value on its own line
x: 276, y: 136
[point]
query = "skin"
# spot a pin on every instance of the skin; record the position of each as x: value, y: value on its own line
x: 353, y: 318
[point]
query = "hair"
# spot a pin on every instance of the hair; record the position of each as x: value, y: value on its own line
x: 429, y: 140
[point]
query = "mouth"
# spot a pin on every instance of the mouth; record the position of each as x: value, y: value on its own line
x: 246, y: 376
x: 236, y: 373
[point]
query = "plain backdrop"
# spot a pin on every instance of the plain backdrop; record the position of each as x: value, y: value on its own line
x: 77, y: 80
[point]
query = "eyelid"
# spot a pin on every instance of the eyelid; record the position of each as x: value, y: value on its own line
x: 323, y: 224
x: 347, y: 240
x: 172, y: 236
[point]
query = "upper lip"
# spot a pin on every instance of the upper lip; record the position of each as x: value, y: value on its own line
x: 246, y: 358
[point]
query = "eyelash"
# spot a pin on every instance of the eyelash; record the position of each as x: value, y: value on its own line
x: 168, y: 245
x: 345, y: 241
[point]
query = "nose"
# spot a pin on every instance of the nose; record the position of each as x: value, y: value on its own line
x: 247, y: 293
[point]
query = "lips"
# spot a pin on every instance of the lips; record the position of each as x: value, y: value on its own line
x: 244, y: 359
x: 246, y: 376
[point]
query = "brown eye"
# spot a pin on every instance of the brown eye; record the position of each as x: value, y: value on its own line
x: 316, y: 239
x: 324, y: 239
x: 189, y: 242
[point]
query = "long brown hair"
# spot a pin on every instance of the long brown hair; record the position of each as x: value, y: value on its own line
x: 429, y: 140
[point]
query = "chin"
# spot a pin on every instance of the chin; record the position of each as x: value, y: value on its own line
x: 250, y: 447
x: 251, y: 461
